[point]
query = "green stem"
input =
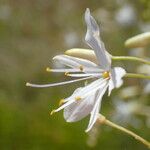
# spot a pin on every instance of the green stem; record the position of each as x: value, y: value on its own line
x: 131, y: 58
x: 134, y: 75
x: 102, y: 120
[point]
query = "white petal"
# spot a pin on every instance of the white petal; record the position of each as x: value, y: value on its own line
x: 79, y: 109
x: 116, y: 78
x: 93, y: 40
x: 95, y: 85
x: 84, y: 62
x: 95, y: 88
x: 74, y: 62
x: 63, y: 59
x: 96, y: 108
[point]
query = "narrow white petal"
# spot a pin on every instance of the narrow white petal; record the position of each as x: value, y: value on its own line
x: 74, y: 62
x: 88, y: 89
x: 56, y: 84
x: 116, y: 78
x: 79, y: 109
x: 91, y: 87
x: 96, y: 108
x: 111, y: 86
x: 84, y: 62
x: 93, y: 40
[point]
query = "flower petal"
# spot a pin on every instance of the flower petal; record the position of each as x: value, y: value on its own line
x: 79, y: 109
x: 93, y: 40
x: 96, y: 108
x: 116, y: 78
x: 92, y: 87
x: 74, y: 62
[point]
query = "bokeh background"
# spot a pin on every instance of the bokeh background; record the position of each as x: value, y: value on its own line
x: 31, y: 33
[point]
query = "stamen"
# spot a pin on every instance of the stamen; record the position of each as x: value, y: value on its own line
x: 78, y: 98
x: 62, y: 101
x: 66, y: 73
x: 106, y: 74
x: 52, y: 112
x: 48, y: 69
x: 81, y: 68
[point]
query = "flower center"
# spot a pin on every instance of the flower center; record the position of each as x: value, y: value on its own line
x: 106, y: 74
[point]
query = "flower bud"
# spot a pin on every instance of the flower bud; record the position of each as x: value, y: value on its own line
x: 141, y: 40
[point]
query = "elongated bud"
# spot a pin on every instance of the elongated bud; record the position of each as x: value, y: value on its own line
x: 82, y: 53
x: 141, y: 40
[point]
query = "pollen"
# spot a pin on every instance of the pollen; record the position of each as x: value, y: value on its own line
x: 62, y: 101
x: 78, y: 98
x: 106, y: 74
x: 66, y: 73
x: 27, y: 84
x: 81, y: 68
x: 48, y: 69
x: 52, y: 112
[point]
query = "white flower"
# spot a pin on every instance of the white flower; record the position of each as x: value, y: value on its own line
x: 87, y: 100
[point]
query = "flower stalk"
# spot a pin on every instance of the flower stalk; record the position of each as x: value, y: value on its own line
x: 102, y: 120
x: 131, y: 58
x: 134, y: 75
x: 90, y: 55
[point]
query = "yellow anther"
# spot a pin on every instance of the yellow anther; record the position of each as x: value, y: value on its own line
x: 106, y: 74
x: 78, y: 98
x: 81, y: 68
x: 62, y: 101
x: 48, y: 69
x: 66, y: 73
x: 27, y: 84
x: 52, y: 112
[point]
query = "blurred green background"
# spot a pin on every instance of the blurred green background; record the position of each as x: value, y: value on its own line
x: 31, y: 33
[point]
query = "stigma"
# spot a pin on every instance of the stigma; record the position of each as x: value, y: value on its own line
x: 106, y: 74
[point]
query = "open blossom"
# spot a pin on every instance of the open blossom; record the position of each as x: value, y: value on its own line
x: 87, y: 100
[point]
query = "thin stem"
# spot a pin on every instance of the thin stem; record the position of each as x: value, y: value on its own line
x: 134, y: 75
x: 103, y: 120
x: 132, y: 58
